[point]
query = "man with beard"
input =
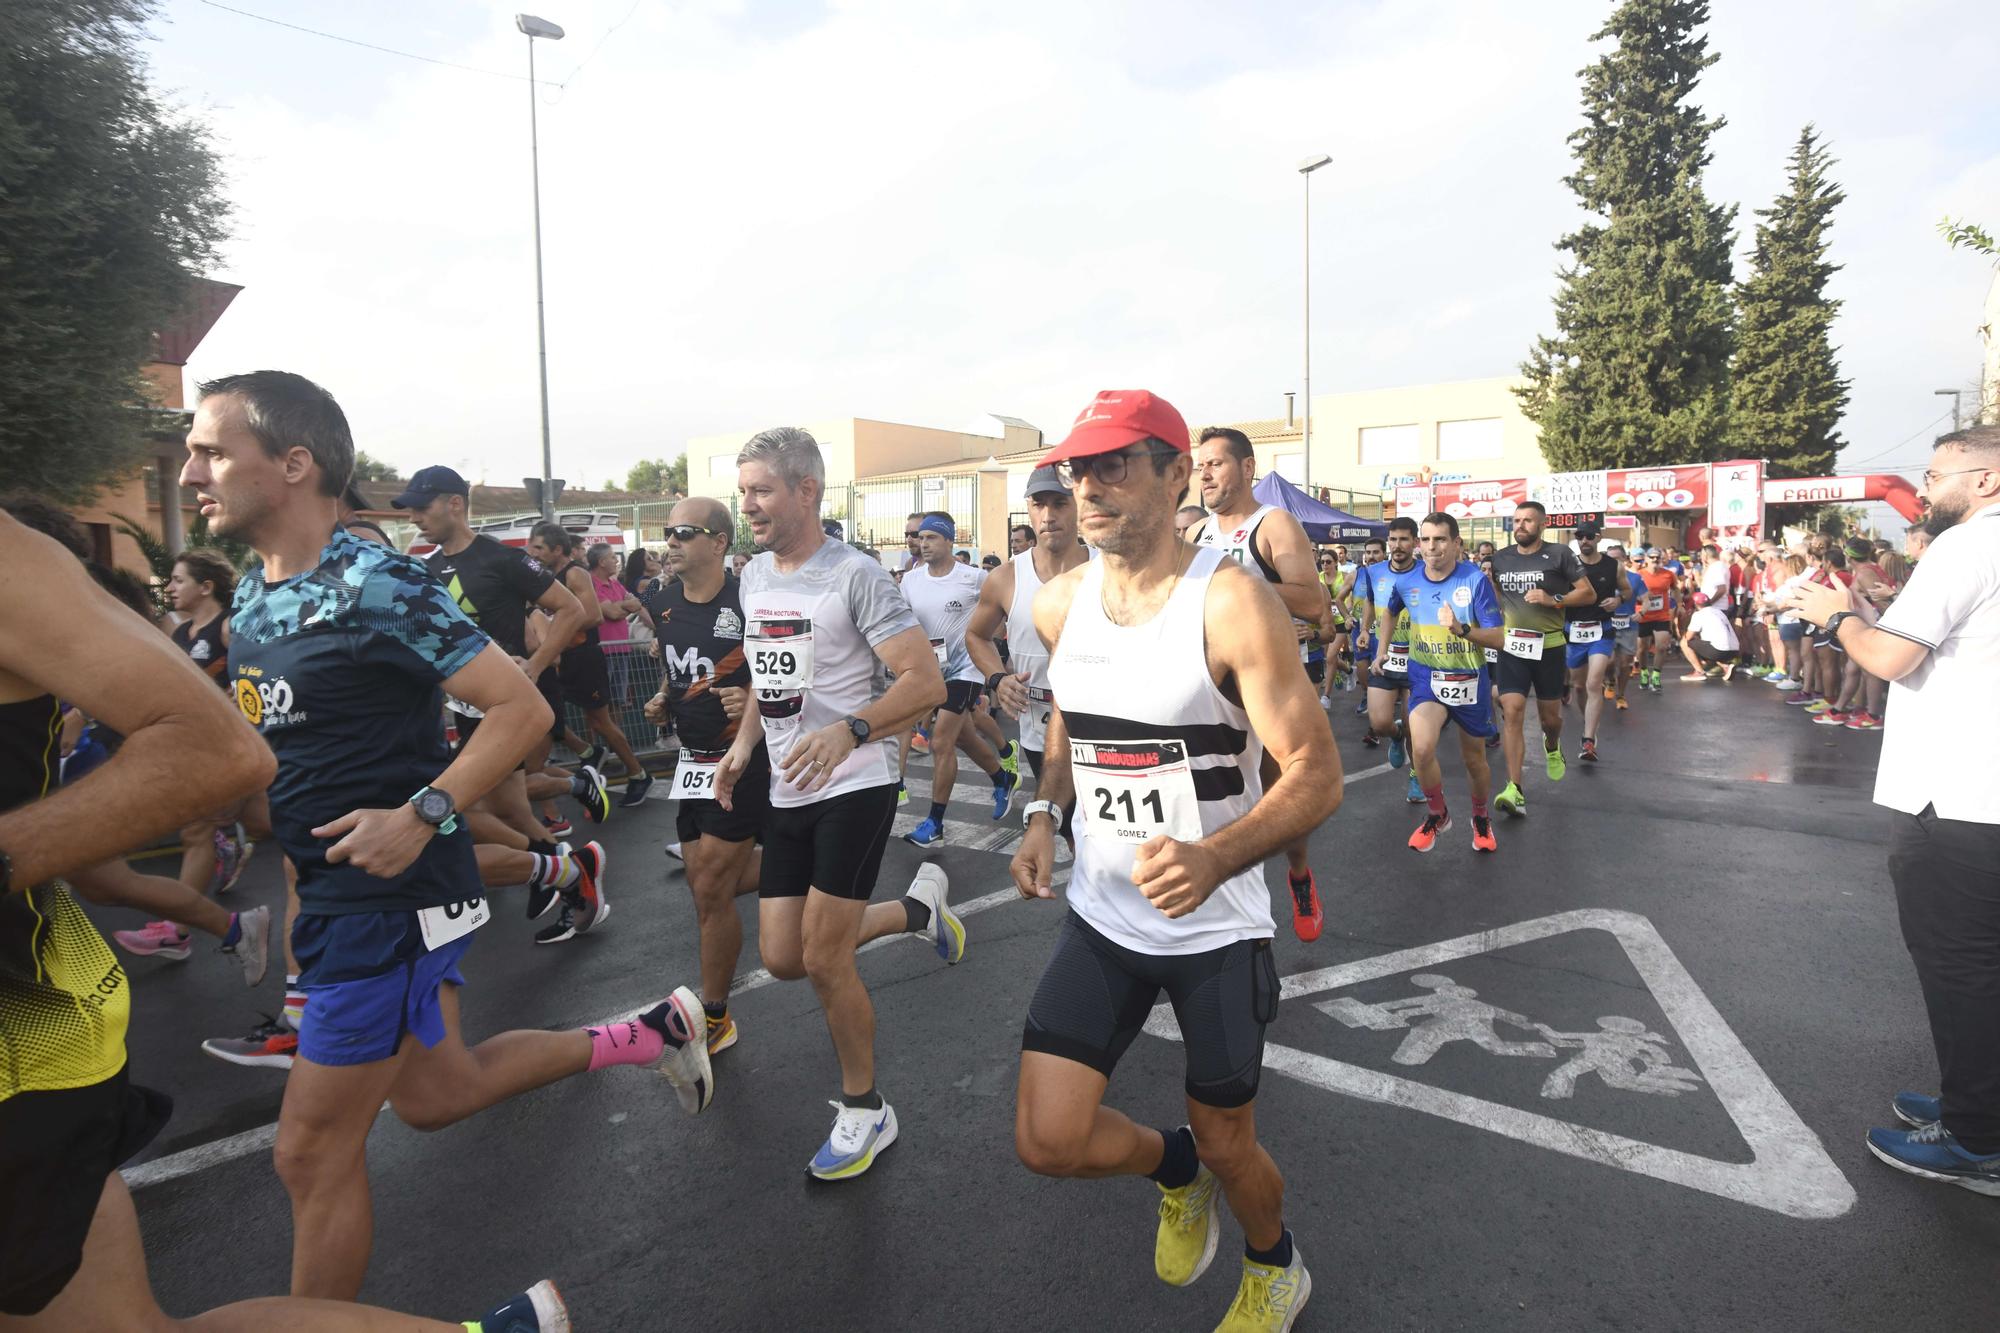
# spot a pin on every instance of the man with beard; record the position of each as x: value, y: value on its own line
x: 1938, y: 645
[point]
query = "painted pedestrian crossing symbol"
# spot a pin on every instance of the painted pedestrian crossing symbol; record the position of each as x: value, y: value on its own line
x: 1622, y: 1053
x: 1611, y: 1055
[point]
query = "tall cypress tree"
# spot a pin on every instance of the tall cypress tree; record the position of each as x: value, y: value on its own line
x: 1787, y: 394
x: 1637, y: 372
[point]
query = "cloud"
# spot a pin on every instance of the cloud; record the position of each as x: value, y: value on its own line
x: 917, y: 211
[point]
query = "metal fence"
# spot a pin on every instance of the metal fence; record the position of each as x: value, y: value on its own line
x: 635, y: 678
x: 874, y: 512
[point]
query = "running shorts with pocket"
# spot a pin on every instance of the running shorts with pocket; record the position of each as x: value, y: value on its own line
x: 368, y: 981
x: 834, y: 845
x: 960, y: 695
x: 56, y: 1150
x: 1095, y: 996
x: 586, y: 678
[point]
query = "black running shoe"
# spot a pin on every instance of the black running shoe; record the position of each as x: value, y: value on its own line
x: 590, y: 792
x: 585, y: 899
x: 559, y: 931
x: 635, y: 791
x: 594, y: 756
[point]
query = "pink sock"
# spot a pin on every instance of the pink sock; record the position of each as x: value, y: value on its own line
x: 633, y: 1043
x: 1434, y: 798
x: 1478, y: 808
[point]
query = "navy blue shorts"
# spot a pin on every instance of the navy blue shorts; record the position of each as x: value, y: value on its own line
x: 369, y: 980
x: 1474, y: 719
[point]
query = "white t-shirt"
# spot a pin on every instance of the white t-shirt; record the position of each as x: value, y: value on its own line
x: 943, y: 606
x: 1714, y: 628
x: 810, y: 636
x: 1943, y: 729
x: 1715, y: 580
x: 1784, y: 589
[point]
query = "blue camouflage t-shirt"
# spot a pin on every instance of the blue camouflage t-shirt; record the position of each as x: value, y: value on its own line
x: 340, y: 669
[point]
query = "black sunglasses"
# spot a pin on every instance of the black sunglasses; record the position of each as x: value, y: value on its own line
x: 1110, y: 469
x: 687, y: 532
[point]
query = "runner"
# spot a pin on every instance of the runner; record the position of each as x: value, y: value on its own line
x: 1271, y: 543
x: 585, y: 675
x: 1006, y: 603
x: 69, y: 1113
x: 338, y: 649
x: 1658, y: 604
x: 1591, y: 635
x: 1624, y: 628
x: 701, y: 645
x: 942, y: 593
x: 215, y: 850
x: 1389, y: 683
x: 1538, y: 583
x: 1448, y: 680
x: 1174, y: 676
x: 821, y: 621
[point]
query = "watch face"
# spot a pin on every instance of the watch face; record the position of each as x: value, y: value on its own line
x: 433, y: 807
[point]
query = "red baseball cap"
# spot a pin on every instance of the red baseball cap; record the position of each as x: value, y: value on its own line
x: 1117, y: 418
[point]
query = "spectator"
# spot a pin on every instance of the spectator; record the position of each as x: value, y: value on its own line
x: 1916, y: 541
x: 1188, y: 516
x: 1710, y: 644
x: 990, y: 561
x: 641, y: 568
x: 1788, y: 647
x: 1939, y: 647
x: 1020, y: 538
x: 737, y: 561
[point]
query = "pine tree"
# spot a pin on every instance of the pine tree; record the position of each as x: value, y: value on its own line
x: 1637, y: 373
x: 1786, y: 391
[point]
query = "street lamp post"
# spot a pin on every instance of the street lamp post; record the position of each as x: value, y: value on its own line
x: 1306, y: 169
x: 531, y: 28
x: 1955, y: 395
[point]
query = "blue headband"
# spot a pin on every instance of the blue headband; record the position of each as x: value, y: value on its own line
x: 943, y: 527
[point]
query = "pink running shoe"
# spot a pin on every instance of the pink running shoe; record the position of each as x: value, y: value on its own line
x: 157, y: 939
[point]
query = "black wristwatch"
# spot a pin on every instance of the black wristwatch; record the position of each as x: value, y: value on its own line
x: 993, y: 681
x: 1832, y: 630
x: 435, y: 808
x: 859, y: 729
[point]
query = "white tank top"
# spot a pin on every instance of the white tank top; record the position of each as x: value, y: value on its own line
x: 1027, y: 652
x: 1155, y: 748
x: 1238, y: 543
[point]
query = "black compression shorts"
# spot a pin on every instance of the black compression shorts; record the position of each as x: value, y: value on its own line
x: 960, y: 695
x: 586, y: 680
x: 751, y: 799
x: 1094, y: 997
x: 833, y: 845
x: 1545, y: 678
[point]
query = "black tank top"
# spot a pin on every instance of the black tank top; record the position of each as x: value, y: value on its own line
x: 205, y: 647
x: 64, y: 1003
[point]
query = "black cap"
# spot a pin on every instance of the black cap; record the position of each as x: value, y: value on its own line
x: 428, y: 484
x: 1589, y: 529
x: 832, y: 529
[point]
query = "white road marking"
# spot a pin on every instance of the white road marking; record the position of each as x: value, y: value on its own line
x: 1790, y: 1171
x: 189, y: 1161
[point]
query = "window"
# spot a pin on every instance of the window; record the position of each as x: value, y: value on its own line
x: 1389, y: 444
x: 1292, y: 467
x: 722, y: 465
x: 1461, y: 441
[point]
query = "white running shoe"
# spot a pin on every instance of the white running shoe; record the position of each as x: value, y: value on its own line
x: 686, y: 1066
x: 947, y: 932
x: 858, y: 1136
x: 253, y: 949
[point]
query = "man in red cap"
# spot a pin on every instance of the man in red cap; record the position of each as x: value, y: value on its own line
x: 1174, y: 672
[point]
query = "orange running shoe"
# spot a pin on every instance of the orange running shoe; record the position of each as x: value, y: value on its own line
x: 1482, y: 835
x: 1307, y: 917
x: 1426, y: 836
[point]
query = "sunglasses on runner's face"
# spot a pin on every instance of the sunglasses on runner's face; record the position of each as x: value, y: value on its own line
x: 687, y: 532
x: 1109, y: 468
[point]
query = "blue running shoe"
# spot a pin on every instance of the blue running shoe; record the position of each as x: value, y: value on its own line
x: 1003, y: 795
x: 1415, y: 794
x: 927, y: 834
x: 1916, y: 1110
x: 1931, y: 1152
x: 858, y: 1136
x: 1398, y: 758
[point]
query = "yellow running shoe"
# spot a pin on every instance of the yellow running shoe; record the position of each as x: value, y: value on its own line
x: 721, y: 1034
x: 1557, y: 766
x: 1189, y: 1229
x: 1270, y: 1298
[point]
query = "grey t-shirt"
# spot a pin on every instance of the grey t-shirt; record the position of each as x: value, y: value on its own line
x: 811, y: 635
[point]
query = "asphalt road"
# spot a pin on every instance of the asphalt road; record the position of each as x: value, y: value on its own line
x: 1715, y: 888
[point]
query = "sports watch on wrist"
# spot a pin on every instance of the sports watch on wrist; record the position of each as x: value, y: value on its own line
x: 1832, y: 630
x: 1049, y: 808
x: 859, y: 729
x: 993, y: 681
x: 435, y: 808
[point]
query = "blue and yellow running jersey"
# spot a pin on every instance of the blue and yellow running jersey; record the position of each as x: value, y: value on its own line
x: 1381, y: 580
x: 1469, y: 594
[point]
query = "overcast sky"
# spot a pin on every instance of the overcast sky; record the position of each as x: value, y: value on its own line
x: 922, y: 210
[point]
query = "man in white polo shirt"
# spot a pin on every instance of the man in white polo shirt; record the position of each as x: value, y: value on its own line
x: 1938, y: 645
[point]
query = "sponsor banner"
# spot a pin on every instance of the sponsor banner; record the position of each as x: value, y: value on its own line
x: 1814, y: 490
x: 1479, y: 499
x: 1736, y: 498
x: 1413, y: 501
x: 1642, y: 489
